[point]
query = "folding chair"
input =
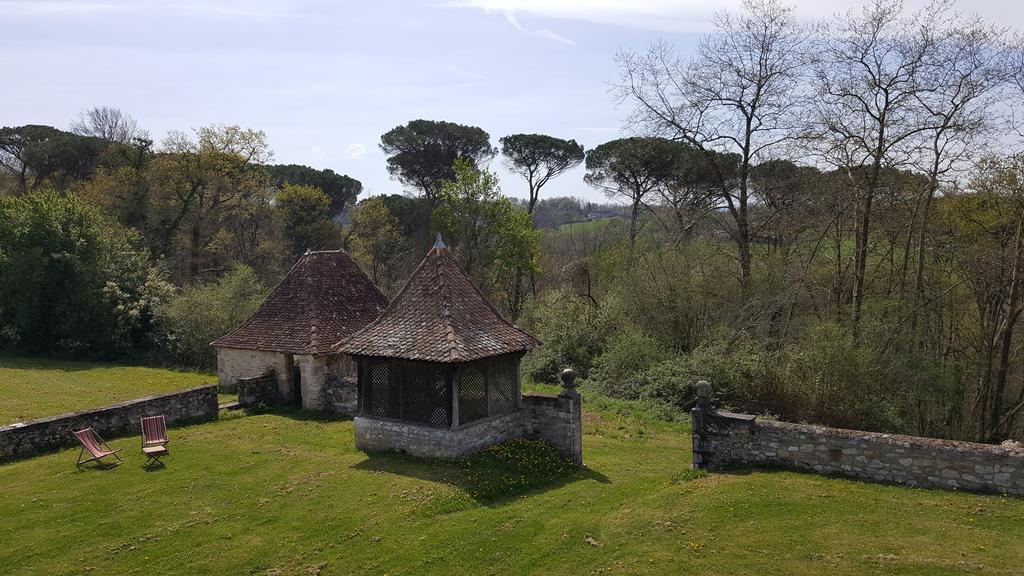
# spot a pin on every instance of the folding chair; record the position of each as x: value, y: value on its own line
x: 154, y: 440
x: 97, y: 448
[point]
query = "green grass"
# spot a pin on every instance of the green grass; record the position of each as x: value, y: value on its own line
x: 280, y: 494
x: 39, y: 387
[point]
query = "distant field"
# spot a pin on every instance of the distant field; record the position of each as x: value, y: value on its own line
x: 588, y: 226
x: 288, y: 494
x: 38, y: 387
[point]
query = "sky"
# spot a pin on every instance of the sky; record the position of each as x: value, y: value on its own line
x: 324, y: 79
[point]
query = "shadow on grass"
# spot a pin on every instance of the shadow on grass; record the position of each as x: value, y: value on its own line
x: 492, y: 477
x: 298, y: 414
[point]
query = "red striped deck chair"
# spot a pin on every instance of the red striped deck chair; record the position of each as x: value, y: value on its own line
x: 154, y: 440
x: 95, y: 445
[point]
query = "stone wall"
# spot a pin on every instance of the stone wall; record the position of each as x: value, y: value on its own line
x: 341, y: 395
x: 24, y: 439
x: 233, y: 364
x: 723, y: 440
x: 558, y: 420
x: 258, y: 390
x: 376, y: 434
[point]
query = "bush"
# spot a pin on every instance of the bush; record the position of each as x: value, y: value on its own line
x: 626, y: 355
x: 572, y: 331
x: 72, y: 282
x: 204, y: 312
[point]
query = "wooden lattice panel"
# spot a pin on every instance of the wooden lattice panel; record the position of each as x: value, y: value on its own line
x: 472, y: 392
x: 503, y: 390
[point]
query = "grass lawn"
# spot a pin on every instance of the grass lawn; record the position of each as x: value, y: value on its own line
x: 39, y: 387
x: 279, y: 494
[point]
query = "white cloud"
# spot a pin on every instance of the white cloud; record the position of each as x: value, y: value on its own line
x: 695, y: 15
x: 662, y: 15
x: 317, y: 152
x: 354, y: 151
x: 510, y: 15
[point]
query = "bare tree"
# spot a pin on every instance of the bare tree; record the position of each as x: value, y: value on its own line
x: 869, y: 78
x: 738, y: 94
x: 964, y: 67
x: 109, y: 124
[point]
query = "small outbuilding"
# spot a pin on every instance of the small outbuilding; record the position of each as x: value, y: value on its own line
x: 323, y: 299
x: 438, y: 371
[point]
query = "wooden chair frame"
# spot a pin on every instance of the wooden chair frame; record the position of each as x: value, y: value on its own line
x: 154, y: 439
x: 96, y: 446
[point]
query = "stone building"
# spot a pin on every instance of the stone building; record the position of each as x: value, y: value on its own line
x: 324, y: 298
x: 439, y: 369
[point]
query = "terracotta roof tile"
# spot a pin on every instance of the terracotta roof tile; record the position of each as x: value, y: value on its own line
x: 324, y: 298
x: 439, y: 316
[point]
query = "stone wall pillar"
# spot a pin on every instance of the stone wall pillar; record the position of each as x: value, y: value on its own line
x: 698, y: 423
x: 571, y: 407
x: 314, y: 371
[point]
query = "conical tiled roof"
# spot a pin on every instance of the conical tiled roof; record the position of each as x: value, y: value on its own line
x: 324, y: 298
x: 439, y: 316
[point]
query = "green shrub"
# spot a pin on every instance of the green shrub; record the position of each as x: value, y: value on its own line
x: 204, y: 312
x: 627, y: 354
x: 572, y: 331
x: 72, y: 282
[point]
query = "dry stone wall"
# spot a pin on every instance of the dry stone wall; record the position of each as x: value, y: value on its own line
x: 24, y: 439
x: 723, y: 440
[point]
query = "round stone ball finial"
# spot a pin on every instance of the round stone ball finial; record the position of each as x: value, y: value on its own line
x: 703, y: 389
x: 568, y: 377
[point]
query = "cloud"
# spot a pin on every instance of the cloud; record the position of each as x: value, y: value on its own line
x: 510, y: 15
x: 354, y: 151
x: 661, y: 15
x: 317, y: 152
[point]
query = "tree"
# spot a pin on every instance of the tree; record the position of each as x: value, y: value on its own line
x: 199, y: 184
x: 376, y: 237
x: 633, y: 168
x: 421, y: 153
x: 341, y: 189
x: 539, y: 158
x: 738, y: 94
x: 869, y: 79
x: 306, y: 212
x: 987, y: 239
x: 33, y: 154
x: 108, y: 124
x: 492, y: 238
x: 962, y: 72
x: 72, y: 281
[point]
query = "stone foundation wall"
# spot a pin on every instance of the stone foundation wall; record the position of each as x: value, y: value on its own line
x: 557, y: 420
x: 258, y: 390
x: 722, y: 440
x: 24, y: 439
x: 234, y: 364
x: 375, y: 434
x: 341, y: 395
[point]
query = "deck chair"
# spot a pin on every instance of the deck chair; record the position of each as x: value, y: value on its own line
x: 154, y: 440
x: 96, y: 447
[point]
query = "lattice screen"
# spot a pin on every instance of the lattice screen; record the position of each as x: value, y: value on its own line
x: 472, y: 391
x: 427, y: 399
x: 383, y: 397
x: 503, y: 389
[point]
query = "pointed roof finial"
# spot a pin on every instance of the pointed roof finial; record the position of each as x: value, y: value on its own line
x: 439, y: 246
